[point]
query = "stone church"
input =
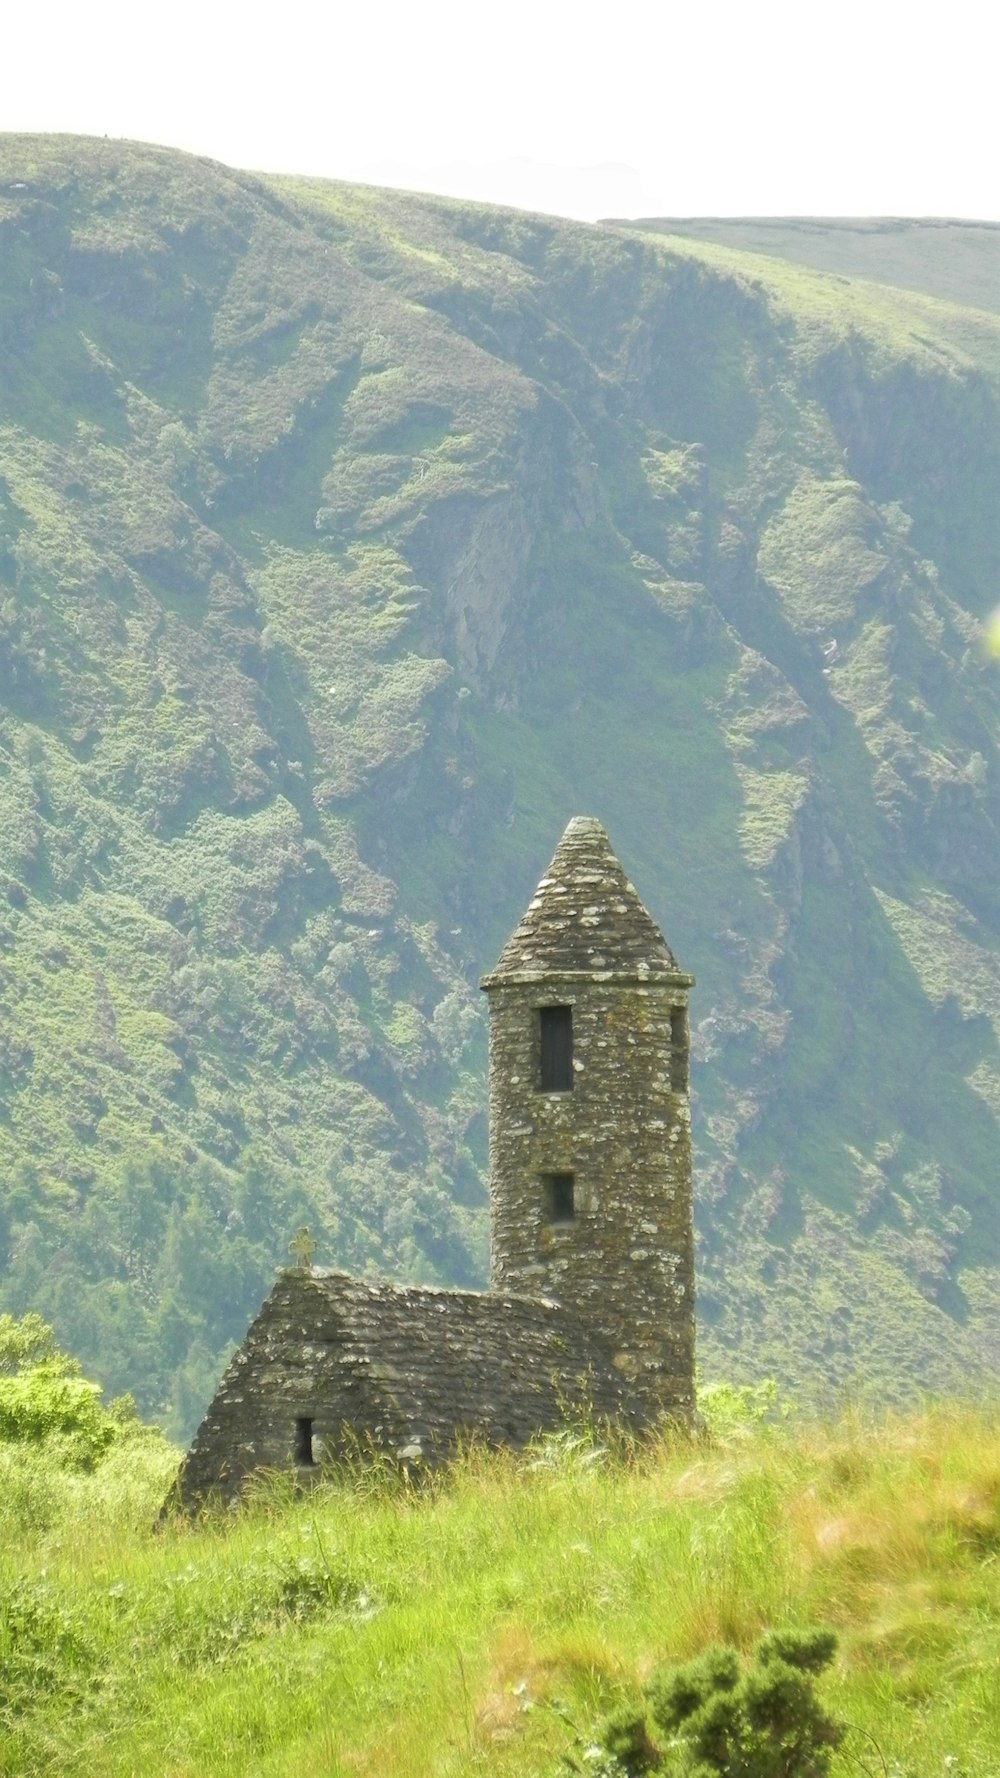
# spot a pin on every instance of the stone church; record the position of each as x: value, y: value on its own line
x: 590, y: 1307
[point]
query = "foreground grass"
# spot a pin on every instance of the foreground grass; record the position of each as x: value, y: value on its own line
x: 482, y: 1622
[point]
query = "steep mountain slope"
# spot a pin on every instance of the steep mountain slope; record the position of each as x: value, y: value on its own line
x: 349, y: 543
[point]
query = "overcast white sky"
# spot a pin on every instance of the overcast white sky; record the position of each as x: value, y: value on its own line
x: 718, y: 108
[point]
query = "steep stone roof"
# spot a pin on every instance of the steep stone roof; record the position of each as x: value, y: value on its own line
x: 585, y: 918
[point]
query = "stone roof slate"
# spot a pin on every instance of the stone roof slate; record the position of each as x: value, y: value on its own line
x: 498, y: 1364
x: 585, y: 917
x: 381, y: 1366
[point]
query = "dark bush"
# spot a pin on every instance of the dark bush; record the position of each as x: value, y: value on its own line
x: 718, y: 1719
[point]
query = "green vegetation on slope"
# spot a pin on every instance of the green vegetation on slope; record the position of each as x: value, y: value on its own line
x: 956, y: 261
x: 349, y: 543
x: 489, y: 1618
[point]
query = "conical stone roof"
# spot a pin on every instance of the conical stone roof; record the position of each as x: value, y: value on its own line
x: 585, y: 918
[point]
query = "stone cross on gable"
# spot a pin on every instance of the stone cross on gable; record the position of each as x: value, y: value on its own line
x: 303, y: 1247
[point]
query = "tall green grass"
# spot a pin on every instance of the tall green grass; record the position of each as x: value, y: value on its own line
x: 484, y: 1620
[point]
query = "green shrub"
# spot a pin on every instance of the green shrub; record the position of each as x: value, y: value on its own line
x: 721, y: 1720
x: 625, y: 1739
x: 731, y: 1409
x: 27, y: 1340
x: 45, y: 1400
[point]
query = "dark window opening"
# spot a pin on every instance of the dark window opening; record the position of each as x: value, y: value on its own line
x: 559, y: 1204
x: 556, y: 1066
x: 304, y: 1442
x: 678, y: 1049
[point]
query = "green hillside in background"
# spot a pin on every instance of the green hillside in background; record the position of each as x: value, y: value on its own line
x: 350, y: 542
x: 958, y: 262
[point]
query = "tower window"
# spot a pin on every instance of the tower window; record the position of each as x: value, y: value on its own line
x: 559, y: 1198
x: 678, y: 1049
x: 556, y: 1050
x: 304, y: 1442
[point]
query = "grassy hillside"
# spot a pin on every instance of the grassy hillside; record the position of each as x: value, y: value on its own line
x: 958, y: 262
x: 349, y: 543
x: 486, y: 1622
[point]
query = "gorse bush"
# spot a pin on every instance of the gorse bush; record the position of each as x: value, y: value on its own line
x: 718, y: 1719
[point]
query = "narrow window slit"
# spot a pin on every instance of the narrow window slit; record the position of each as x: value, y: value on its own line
x: 678, y: 1049
x: 304, y: 1442
x: 560, y: 1203
x: 556, y: 1049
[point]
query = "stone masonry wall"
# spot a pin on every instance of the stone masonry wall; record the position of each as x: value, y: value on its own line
x: 624, y: 1262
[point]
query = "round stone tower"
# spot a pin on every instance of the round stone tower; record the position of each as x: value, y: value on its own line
x: 590, y: 1124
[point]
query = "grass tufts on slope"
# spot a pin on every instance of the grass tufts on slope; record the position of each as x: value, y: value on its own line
x: 484, y: 1620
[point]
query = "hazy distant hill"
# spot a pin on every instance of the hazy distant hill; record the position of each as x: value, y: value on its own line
x: 959, y: 262
x: 349, y: 543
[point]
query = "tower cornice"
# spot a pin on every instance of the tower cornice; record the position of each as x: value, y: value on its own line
x: 645, y: 978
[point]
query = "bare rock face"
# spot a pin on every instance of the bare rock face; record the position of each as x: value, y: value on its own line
x: 590, y: 1308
